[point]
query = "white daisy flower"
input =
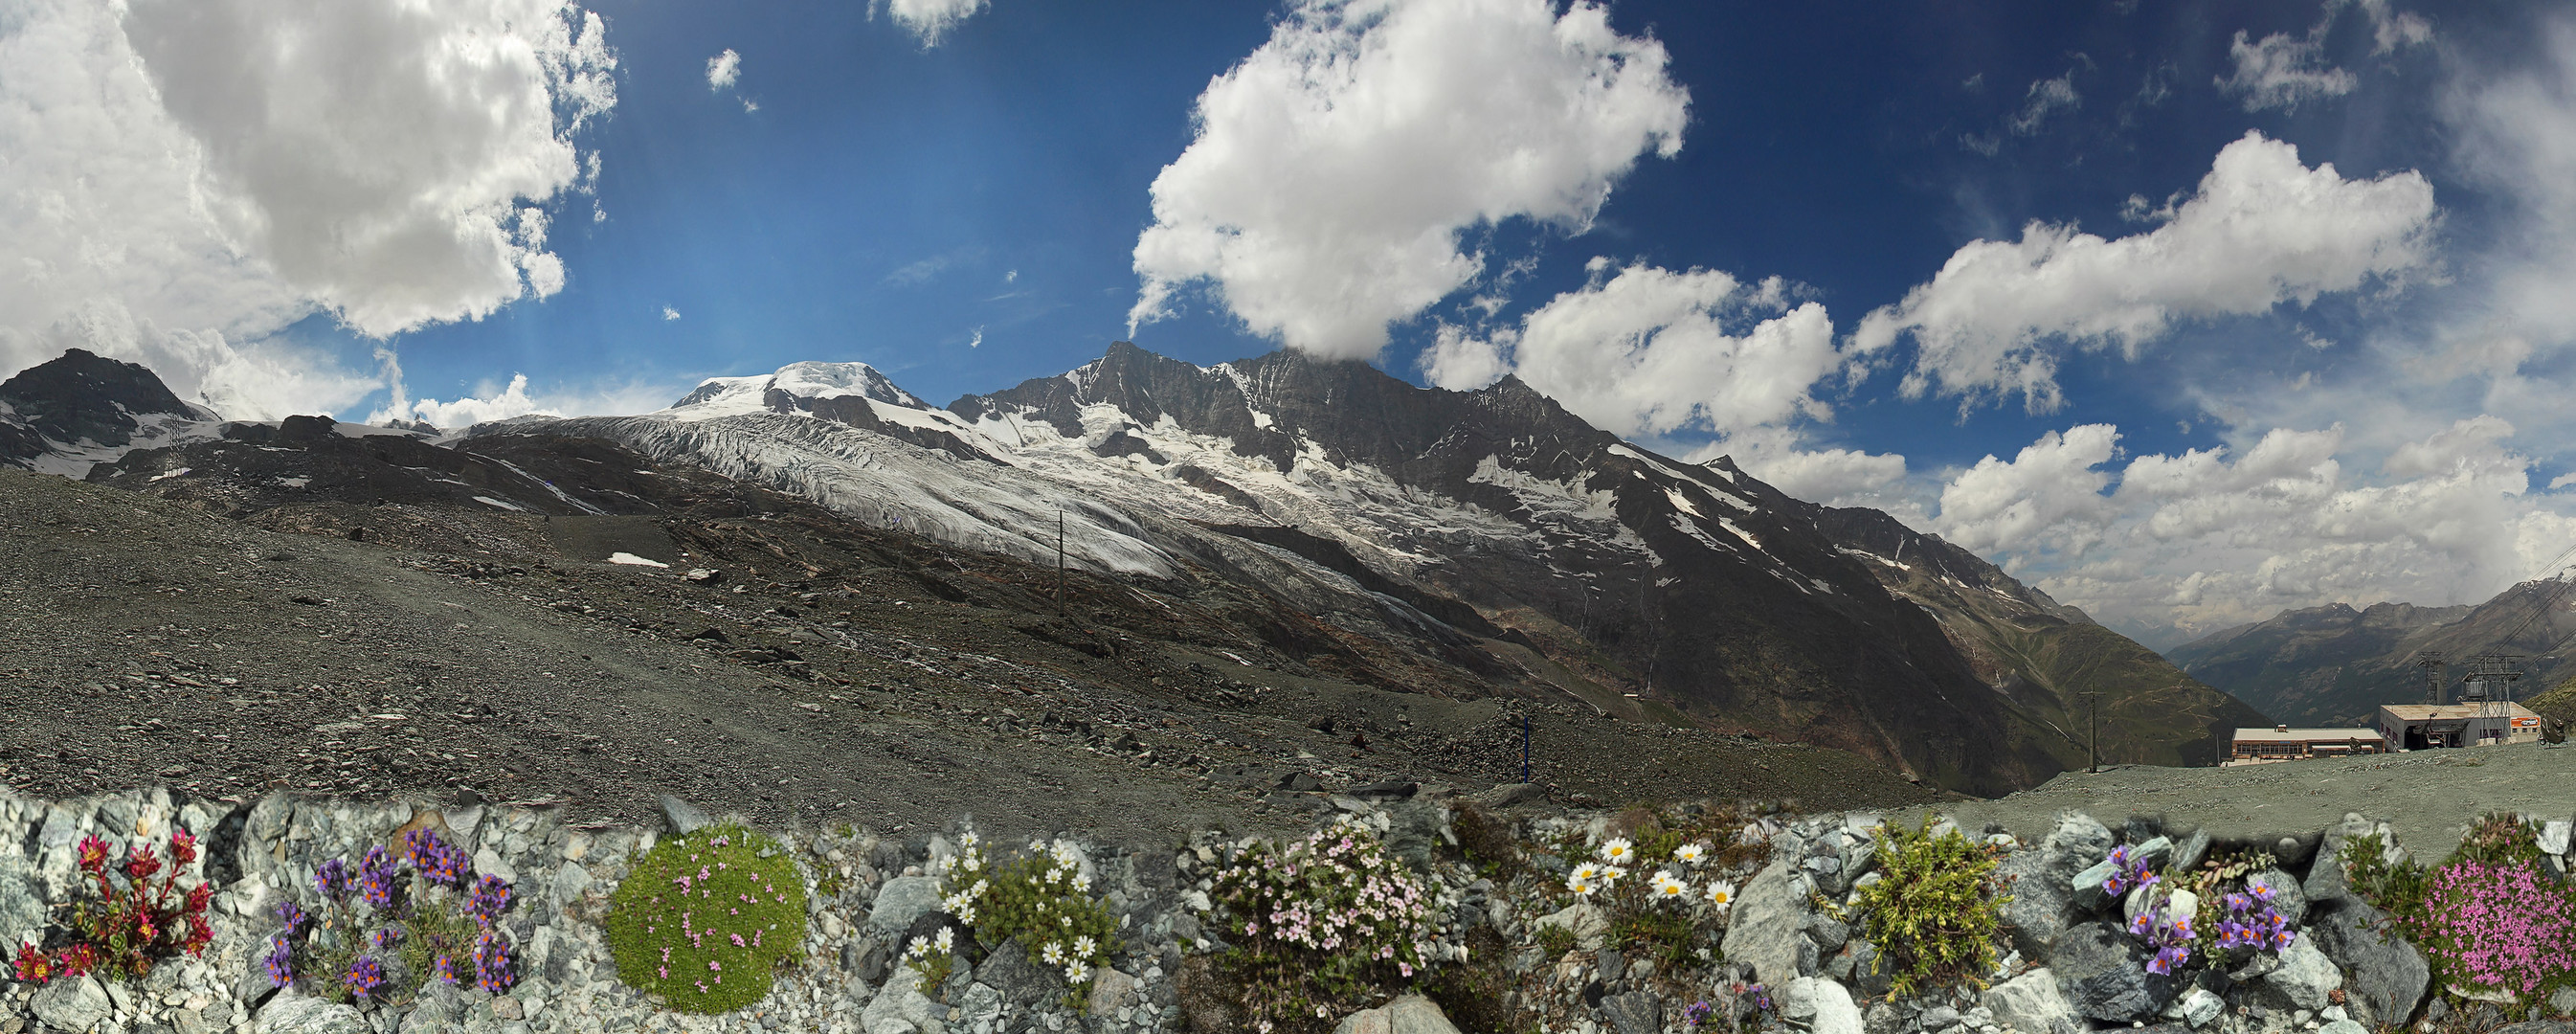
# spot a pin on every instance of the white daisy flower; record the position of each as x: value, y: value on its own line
x: 1721, y: 894
x: 1669, y: 887
x: 1689, y: 854
x: 1580, y: 886
x: 1618, y: 850
x: 947, y: 939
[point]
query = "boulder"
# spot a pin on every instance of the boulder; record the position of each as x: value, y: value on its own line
x: 2287, y: 898
x: 2155, y: 853
x: 1409, y: 1014
x: 1415, y: 829
x: 2043, y: 903
x: 902, y: 900
x: 2102, y: 972
x: 900, y: 1002
x: 2032, y: 1004
x: 1111, y: 991
x: 1764, y: 928
x: 2078, y: 840
x: 303, y: 1014
x: 682, y: 816
x: 2389, y: 977
x: 2554, y: 835
x: 1020, y: 979
x: 2303, y: 981
x: 1584, y: 920
x: 2090, y: 889
x: 1831, y: 1010
x: 72, y: 1003
x: 1865, y: 966
x: 2325, y: 880
x: 2343, y: 1026
x: 2190, y: 852
x: 1636, y: 1012
x: 2196, y: 1008
x: 440, y: 1007
x: 2179, y: 904
x: 22, y: 914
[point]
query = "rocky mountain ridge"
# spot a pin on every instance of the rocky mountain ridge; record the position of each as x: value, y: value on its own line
x: 62, y: 416
x: 2334, y: 665
x: 1472, y: 542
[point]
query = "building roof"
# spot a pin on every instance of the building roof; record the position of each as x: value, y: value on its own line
x: 2428, y: 712
x: 2301, y: 735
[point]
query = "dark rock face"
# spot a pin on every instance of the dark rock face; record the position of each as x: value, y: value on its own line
x: 2103, y: 974
x: 82, y: 398
x: 85, y: 397
x: 2044, y: 904
x: 1636, y: 1012
x: 1846, y: 666
x: 2389, y: 977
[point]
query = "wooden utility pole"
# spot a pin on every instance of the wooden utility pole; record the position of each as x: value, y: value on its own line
x: 2093, y: 700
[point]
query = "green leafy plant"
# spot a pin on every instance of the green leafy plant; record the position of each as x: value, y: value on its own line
x: 1041, y: 898
x: 123, y: 932
x: 2211, y: 884
x: 1321, y: 921
x: 441, y: 924
x: 1655, y: 890
x: 2500, y: 838
x: 1934, y: 910
x: 2397, y: 889
x: 1555, y: 941
x: 2489, y: 917
x: 706, y: 920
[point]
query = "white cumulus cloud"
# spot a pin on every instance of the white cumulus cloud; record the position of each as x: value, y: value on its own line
x: 724, y: 70
x: 468, y: 411
x: 1647, y: 352
x: 1335, y: 168
x: 2048, y: 497
x: 2260, y: 230
x: 1652, y: 351
x: 2210, y: 538
x: 375, y: 154
x: 1830, y: 476
x: 208, y: 172
x: 931, y: 19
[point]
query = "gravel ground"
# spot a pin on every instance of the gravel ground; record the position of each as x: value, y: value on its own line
x: 2428, y: 797
x: 143, y: 641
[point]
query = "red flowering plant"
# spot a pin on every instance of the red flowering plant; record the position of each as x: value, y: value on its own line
x: 127, y: 929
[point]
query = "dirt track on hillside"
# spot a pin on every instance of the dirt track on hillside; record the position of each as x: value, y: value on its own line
x: 2428, y: 797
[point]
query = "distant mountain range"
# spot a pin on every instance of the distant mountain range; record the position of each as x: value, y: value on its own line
x: 2334, y: 666
x: 1484, y: 542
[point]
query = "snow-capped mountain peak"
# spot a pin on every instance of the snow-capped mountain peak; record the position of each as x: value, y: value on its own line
x: 808, y: 381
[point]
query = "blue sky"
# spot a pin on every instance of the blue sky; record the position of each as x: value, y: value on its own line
x: 2286, y: 329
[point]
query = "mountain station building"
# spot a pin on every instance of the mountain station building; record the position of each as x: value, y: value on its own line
x: 2283, y: 743
x: 2466, y: 724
